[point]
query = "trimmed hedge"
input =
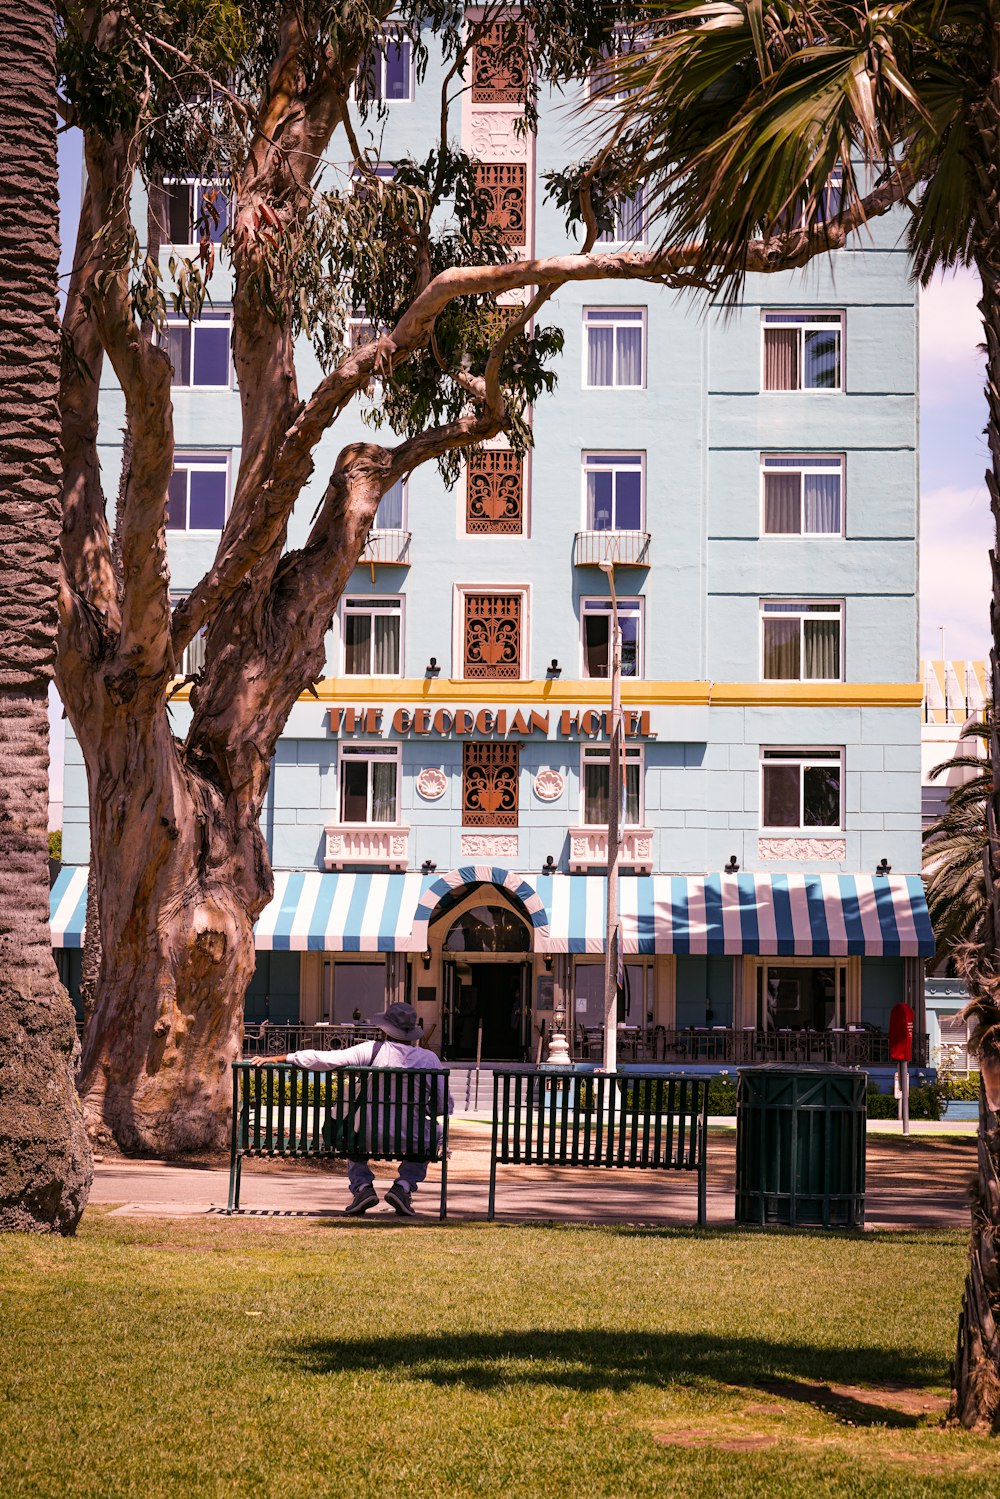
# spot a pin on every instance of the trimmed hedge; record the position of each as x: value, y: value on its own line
x: 964, y: 1089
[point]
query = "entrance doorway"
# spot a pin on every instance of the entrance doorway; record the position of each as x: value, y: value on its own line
x: 493, y: 996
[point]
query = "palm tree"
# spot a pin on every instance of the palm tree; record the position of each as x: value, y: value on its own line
x: 45, y: 1165
x: 954, y: 846
x: 754, y: 117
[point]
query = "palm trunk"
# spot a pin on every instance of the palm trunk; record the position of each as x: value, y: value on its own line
x: 976, y: 1380
x: 45, y: 1165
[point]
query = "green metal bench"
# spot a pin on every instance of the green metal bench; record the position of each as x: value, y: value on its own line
x: 647, y: 1120
x: 385, y: 1113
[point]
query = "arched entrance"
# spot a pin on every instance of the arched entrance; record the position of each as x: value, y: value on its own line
x: 486, y: 956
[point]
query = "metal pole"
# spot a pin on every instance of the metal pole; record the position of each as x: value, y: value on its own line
x: 904, y: 1096
x: 612, y: 935
x: 479, y: 1058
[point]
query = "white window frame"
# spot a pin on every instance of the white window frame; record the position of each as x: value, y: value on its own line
x: 832, y: 609
x: 601, y: 605
x: 389, y: 32
x: 806, y: 321
x: 634, y: 752
x: 378, y: 751
x: 617, y: 238
x: 188, y: 458
x: 815, y: 463
x: 612, y: 323
x: 196, y: 184
x: 369, y: 608
x: 587, y: 466
x: 816, y: 754
x: 216, y: 318
x: 458, y: 625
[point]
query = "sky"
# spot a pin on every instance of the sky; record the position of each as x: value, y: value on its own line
x: 955, y: 523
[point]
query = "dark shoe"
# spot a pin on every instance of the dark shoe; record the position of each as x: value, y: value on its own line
x: 362, y: 1200
x: 400, y: 1197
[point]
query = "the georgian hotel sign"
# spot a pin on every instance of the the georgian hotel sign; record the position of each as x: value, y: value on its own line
x: 570, y: 723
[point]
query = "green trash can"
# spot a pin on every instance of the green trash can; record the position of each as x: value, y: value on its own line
x: 800, y: 1146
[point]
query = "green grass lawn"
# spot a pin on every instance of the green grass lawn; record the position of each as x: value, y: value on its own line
x: 208, y: 1357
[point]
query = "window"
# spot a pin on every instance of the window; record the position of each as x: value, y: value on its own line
x: 369, y: 783
x: 199, y: 352
x: 505, y: 185
x: 198, y: 493
x: 614, y: 485
x: 391, y: 512
x: 492, y: 642
x: 489, y: 784
x: 195, y: 210
x: 387, y: 71
x: 494, y: 495
x: 629, y: 220
x: 801, y: 788
x: 373, y: 631
x: 801, y: 641
x: 596, y: 782
x: 614, y: 356
x: 597, y: 637
x: 192, y: 657
x: 803, y: 350
x: 801, y: 996
x: 625, y: 42
x: 803, y: 496
x: 501, y: 66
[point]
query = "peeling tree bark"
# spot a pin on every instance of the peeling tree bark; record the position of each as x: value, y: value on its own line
x: 45, y: 1164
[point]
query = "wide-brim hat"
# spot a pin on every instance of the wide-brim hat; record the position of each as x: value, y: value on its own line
x: 399, y: 1022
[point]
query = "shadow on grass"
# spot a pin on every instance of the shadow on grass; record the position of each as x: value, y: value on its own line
x: 592, y: 1360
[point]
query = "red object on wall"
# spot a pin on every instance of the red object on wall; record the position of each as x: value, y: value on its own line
x: 901, y: 1033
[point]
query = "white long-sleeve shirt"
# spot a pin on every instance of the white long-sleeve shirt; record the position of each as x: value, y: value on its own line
x: 377, y: 1054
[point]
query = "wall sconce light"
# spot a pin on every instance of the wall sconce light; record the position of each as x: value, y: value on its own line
x: 425, y: 958
x: 555, y: 669
x: 733, y: 866
x: 884, y: 867
x: 428, y: 866
x: 549, y: 867
x: 547, y: 960
x: 432, y: 670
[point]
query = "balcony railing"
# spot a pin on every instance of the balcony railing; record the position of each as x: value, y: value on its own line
x: 623, y: 548
x: 390, y: 548
x: 387, y: 847
x: 588, y: 848
x: 855, y: 1046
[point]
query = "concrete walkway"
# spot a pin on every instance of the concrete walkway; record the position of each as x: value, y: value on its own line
x: 920, y: 1182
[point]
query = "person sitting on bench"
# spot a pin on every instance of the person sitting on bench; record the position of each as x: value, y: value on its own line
x: 400, y: 1048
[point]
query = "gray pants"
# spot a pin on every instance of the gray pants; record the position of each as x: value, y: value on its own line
x: 360, y: 1174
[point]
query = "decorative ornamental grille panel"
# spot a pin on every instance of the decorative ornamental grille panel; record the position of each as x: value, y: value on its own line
x: 492, y: 637
x: 500, y: 66
x: 494, y: 494
x: 506, y: 183
x: 489, y: 785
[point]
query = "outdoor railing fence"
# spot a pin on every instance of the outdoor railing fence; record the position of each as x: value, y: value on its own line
x: 849, y: 1047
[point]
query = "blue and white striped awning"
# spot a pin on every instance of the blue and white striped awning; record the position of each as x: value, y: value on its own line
x: 773, y: 915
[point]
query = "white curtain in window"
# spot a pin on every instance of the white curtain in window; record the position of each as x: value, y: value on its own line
x: 600, y: 356
x: 630, y: 356
x: 822, y: 503
x: 781, y: 359
x: 386, y: 644
x: 822, y: 648
x: 384, y: 790
x: 389, y: 516
x: 357, y: 654
x: 632, y: 794
x: 782, y: 497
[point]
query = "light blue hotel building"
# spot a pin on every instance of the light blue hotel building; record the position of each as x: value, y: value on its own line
x: 437, y: 819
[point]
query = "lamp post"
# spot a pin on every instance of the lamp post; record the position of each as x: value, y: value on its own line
x: 612, y: 932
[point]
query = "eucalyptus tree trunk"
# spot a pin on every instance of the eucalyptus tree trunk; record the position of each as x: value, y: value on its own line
x: 45, y: 1164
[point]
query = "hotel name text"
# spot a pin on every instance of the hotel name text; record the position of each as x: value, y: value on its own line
x: 585, y: 723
